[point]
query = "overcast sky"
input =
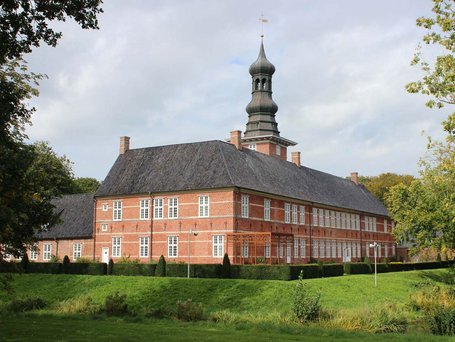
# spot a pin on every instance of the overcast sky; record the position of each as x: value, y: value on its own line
x: 166, y: 72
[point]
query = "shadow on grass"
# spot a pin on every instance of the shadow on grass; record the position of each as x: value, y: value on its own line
x: 437, y: 277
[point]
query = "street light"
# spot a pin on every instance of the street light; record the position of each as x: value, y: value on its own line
x: 375, y: 247
x: 190, y: 232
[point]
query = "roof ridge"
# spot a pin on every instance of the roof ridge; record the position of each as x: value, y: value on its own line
x: 225, y: 165
x: 179, y: 144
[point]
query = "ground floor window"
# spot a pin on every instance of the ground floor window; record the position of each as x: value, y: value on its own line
x: 302, y: 248
x: 77, y: 251
x: 327, y: 249
x: 34, y: 252
x: 144, y: 247
x: 173, y: 246
x: 47, y: 251
x: 116, y: 246
x: 218, y: 245
x: 296, y: 248
x: 245, y: 249
x: 315, y: 249
x: 267, y: 249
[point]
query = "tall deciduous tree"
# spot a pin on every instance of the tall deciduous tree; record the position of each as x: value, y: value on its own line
x: 379, y: 185
x: 24, y: 192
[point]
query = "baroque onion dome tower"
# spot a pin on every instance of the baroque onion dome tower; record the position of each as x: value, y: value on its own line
x: 261, y: 132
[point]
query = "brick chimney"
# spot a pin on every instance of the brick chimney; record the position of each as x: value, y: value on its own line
x: 236, y: 139
x: 124, y: 144
x: 355, y: 177
x: 295, y: 156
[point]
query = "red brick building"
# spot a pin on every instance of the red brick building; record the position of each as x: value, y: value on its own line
x: 242, y: 197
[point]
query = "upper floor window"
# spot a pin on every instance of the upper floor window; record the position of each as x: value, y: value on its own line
x: 315, y: 216
x: 203, y: 206
x: 278, y: 150
x: 343, y: 220
x: 117, y: 212
x: 145, y: 209
x: 327, y: 218
x: 385, y: 226
x: 105, y: 207
x: 302, y: 214
x: 338, y: 219
x: 47, y: 251
x: 332, y: 219
x: 348, y: 221
x: 158, y: 208
x: 267, y: 210
x: 245, y: 206
x: 295, y: 214
x: 321, y: 217
x: 287, y: 212
x: 104, y: 227
x: 252, y: 147
x: 173, y: 207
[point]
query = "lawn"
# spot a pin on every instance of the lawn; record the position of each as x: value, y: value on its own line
x: 244, y: 310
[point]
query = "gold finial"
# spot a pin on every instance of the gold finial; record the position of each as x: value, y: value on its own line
x: 263, y: 20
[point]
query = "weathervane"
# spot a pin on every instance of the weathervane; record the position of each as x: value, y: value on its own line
x: 263, y: 20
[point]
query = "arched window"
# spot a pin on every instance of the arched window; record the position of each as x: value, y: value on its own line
x: 257, y: 84
x: 264, y: 83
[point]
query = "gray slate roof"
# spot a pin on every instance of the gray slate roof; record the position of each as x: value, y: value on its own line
x: 217, y: 164
x: 76, y: 216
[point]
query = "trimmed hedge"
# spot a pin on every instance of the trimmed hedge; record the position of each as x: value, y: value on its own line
x: 87, y: 268
x: 332, y: 270
x: 309, y: 271
x: 196, y: 270
x: 357, y: 268
x: 45, y: 267
x: 264, y: 272
x: 134, y: 269
x: 10, y: 267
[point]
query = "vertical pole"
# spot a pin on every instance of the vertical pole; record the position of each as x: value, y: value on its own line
x: 189, y: 234
x: 375, y: 264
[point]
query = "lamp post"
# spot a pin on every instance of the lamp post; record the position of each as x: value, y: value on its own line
x: 375, y: 246
x: 190, y: 232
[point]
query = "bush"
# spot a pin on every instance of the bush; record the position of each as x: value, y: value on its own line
x: 189, y: 311
x: 83, y: 305
x: 309, y: 271
x: 65, y: 264
x: 387, y: 319
x: 161, y: 267
x: 44, y: 267
x: 26, y: 304
x: 134, y: 269
x: 87, y: 268
x: 115, y: 305
x: 226, y: 268
x: 332, y: 270
x: 306, y: 306
x: 24, y: 262
x: 357, y: 268
x: 442, y: 320
x: 9, y: 267
x: 54, y: 258
x: 110, y: 267
x: 266, y: 272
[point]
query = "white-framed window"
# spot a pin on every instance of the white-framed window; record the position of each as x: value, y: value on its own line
x: 343, y: 220
x: 252, y: 147
x: 315, y: 249
x: 116, y: 246
x: 173, y: 246
x: 328, y: 249
x: 34, y: 252
x: 367, y: 249
x: 302, y: 248
x: 302, y: 214
x: 294, y: 214
x: 340, y: 250
x: 173, y: 207
x: 267, y: 249
x: 321, y: 249
x: 281, y: 249
x: 354, y: 250
x: 158, y: 205
x: 348, y: 221
x: 117, y: 212
x: 338, y: 219
x: 315, y: 216
x: 393, y: 250
x: 296, y: 248
x: 334, y: 249
x: 77, y: 251
x: 218, y: 246
x: 144, y: 246
x: 204, y: 206
x: 359, y: 252
x: 327, y: 218
x: 267, y: 210
x: 357, y: 222
x: 47, y: 251
x: 374, y: 224
x: 321, y: 217
x: 386, y: 251
x: 278, y: 150
x: 245, y: 199
x: 385, y: 226
x: 332, y: 219
x: 287, y: 212
x: 144, y: 213
x: 105, y: 207
x: 104, y: 227
x: 245, y: 249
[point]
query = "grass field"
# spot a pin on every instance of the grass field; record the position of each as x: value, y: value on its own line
x: 262, y: 309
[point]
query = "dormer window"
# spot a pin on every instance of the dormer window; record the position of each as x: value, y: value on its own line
x: 278, y: 150
x: 252, y: 147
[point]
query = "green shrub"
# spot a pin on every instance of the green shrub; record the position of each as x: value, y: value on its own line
x: 309, y: 271
x: 438, y: 257
x: 357, y: 268
x: 65, y: 264
x: 115, y: 305
x: 189, y: 311
x: 161, y: 267
x: 306, y: 306
x: 6, y: 283
x: 82, y: 305
x: 382, y: 268
x: 207, y: 270
x: 84, y: 260
x: 87, y: 268
x: 332, y: 270
x: 442, y: 320
x: 24, y: 262
x: 110, y: 267
x: 26, y: 304
x: 44, y: 267
x: 126, y: 259
x: 9, y: 267
x: 54, y: 258
x: 387, y: 319
x: 226, y: 268
x: 266, y: 272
